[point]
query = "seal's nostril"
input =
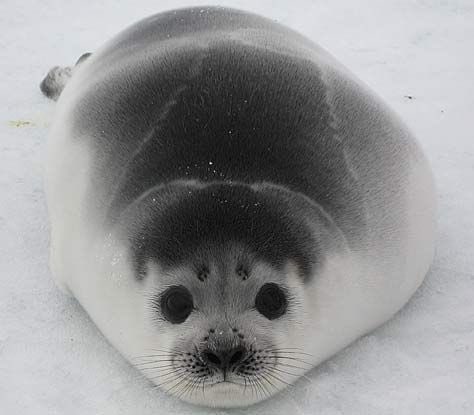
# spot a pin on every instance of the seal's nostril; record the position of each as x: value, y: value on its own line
x: 236, y: 357
x: 211, y: 357
x: 224, y: 359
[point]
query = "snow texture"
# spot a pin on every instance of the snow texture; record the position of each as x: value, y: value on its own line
x: 418, y: 55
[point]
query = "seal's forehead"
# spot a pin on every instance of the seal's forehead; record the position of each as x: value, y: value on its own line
x: 219, y: 225
x: 218, y: 265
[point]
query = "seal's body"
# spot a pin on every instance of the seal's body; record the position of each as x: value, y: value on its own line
x: 228, y: 200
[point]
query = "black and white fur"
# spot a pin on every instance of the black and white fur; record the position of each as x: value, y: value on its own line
x: 218, y: 150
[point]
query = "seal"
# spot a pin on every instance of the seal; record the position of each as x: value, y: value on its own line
x: 229, y: 204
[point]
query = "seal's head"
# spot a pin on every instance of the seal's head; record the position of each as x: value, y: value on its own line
x: 223, y: 268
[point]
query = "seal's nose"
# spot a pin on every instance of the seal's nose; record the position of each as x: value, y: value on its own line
x: 224, y: 359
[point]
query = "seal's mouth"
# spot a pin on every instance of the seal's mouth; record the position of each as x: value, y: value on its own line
x: 224, y: 386
x: 224, y: 382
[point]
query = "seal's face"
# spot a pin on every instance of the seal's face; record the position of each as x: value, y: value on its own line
x: 223, y: 269
x: 228, y: 322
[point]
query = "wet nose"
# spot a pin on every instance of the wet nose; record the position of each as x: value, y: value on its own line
x: 224, y: 359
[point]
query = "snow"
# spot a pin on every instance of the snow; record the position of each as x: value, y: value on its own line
x: 418, y: 55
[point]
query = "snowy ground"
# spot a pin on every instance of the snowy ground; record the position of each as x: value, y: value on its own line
x: 418, y: 55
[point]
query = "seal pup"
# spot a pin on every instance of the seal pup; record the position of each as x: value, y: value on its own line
x: 229, y: 204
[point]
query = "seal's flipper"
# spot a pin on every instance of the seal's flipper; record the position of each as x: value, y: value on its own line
x: 55, y: 81
x: 57, y: 78
x: 83, y: 57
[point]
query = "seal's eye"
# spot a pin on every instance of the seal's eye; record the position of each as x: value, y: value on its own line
x: 271, y: 301
x: 176, y: 304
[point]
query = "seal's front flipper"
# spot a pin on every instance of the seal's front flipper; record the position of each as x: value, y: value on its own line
x: 57, y: 78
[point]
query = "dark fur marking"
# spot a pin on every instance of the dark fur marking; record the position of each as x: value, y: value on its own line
x: 211, y: 218
x: 225, y: 110
x: 250, y: 116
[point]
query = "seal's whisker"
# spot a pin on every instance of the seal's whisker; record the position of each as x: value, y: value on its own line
x: 203, y: 386
x: 297, y: 364
x: 154, y: 365
x: 285, y: 372
x: 271, y: 371
x: 282, y: 357
x: 265, y: 378
x: 254, y: 387
x: 264, y: 388
x: 171, y: 351
x: 285, y: 391
x: 157, y: 367
x: 193, y: 387
x: 159, y: 360
x: 152, y: 356
x: 182, y: 390
x: 258, y: 385
x: 173, y: 379
x: 163, y: 352
x: 286, y: 348
x: 288, y: 351
x: 172, y: 390
x: 196, y: 386
x: 162, y: 384
x: 298, y: 376
x: 168, y: 373
x: 292, y: 354
x: 293, y: 366
x: 166, y: 377
x: 248, y: 381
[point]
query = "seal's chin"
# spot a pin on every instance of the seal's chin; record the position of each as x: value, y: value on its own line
x: 224, y: 394
x: 225, y: 386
